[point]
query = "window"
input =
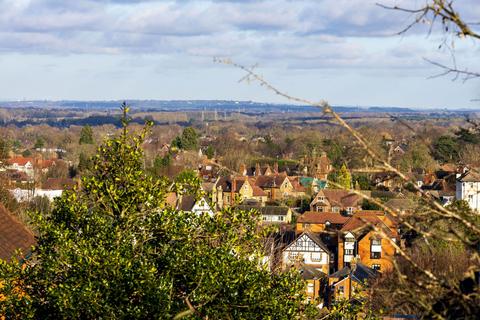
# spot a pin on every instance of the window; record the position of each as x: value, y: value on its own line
x: 336, y: 209
x: 293, y: 256
x: 264, y: 218
x: 349, y: 252
x: 316, y: 256
x: 280, y: 218
x: 375, y: 248
x: 376, y: 267
x: 341, y: 290
x: 310, y: 288
x: 349, y: 210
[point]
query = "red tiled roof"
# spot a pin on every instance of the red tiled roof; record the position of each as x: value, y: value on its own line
x: 13, y: 235
x: 339, y: 198
x: 21, y: 161
x: 258, y: 192
x: 322, y: 217
x: 363, y: 220
x: 270, y: 181
x: 296, y: 184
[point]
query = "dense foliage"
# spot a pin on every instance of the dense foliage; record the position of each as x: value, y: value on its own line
x: 115, y: 249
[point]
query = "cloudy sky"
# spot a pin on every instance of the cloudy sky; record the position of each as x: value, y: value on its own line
x: 344, y: 51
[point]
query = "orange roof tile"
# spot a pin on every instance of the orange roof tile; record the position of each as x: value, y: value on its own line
x: 13, y: 235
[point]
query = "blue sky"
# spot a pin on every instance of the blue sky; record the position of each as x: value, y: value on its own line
x: 343, y: 51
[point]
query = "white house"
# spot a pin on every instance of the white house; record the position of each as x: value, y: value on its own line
x: 188, y: 203
x: 307, y: 249
x: 271, y: 214
x: 468, y: 189
x: 21, y: 164
x: 25, y: 195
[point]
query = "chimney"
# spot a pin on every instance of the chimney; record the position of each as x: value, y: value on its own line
x: 243, y: 169
x: 232, y: 191
x: 275, y: 167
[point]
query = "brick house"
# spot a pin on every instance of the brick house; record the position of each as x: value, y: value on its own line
x: 358, y: 239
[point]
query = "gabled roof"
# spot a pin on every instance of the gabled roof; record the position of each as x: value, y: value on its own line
x: 360, y: 273
x: 21, y: 161
x: 338, y: 198
x: 400, y: 204
x: 272, y: 181
x: 322, y: 217
x: 186, y: 203
x: 311, y: 273
x: 315, y: 238
x: 361, y: 223
x: 227, y: 183
x: 297, y: 186
x: 258, y: 192
x: 13, y: 235
x: 470, y: 176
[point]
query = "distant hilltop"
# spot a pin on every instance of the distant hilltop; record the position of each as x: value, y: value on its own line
x: 213, y: 105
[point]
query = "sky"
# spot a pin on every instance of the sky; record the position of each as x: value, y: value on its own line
x: 344, y: 51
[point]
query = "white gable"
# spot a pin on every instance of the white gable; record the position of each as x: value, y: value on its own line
x: 349, y: 235
x: 304, y: 244
x: 202, y: 206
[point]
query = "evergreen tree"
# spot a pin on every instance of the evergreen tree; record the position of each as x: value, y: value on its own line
x: 4, y: 149
x: 84, y: 162
x: 86, y: 135
x: 189, y: 139
x: 344, y: 178
x: 40, y: 143
x: 210, y: 152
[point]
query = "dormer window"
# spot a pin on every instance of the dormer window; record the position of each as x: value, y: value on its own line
x: 375, y: 248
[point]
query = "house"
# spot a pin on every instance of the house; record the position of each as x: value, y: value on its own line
x: 345, y: 282
x: 190, y: 204
x: 17, y: 178
x: 316, y: 285
x: 442, y: 190
x: 228, y: 190
x: 387, y: 179
x: 276, y: 186
x: 258, y: 170
x: 401, y: 205
x: 323, y: 167
x: 314, y: 221
x: 307, y: 249
x: 336, y: 200
x: 468, y: 189
x: 21, y: 164
x: 359, y: 239
x: 14, y: 236
x: 271, y: 214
